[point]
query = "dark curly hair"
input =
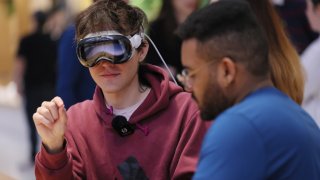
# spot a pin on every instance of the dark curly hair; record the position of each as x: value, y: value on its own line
x: 228, y: 29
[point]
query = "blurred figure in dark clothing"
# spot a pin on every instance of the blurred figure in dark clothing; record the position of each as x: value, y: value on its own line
x: 35, y: 71
x: 74, y: 83
x: 162, y: 32
x: 296, y: 23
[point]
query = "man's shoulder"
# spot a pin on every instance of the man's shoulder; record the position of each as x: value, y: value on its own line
x: 264, y: 101
x: 81, y: 108
x: 274, y: 118
x: 81, y: 114
x: 265, y: 110
x: 184, y: 98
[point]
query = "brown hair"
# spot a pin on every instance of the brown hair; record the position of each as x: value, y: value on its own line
x: 110, y: 15
x: 286, y: 70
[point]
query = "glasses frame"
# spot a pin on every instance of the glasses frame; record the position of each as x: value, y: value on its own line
x: 187, y: 76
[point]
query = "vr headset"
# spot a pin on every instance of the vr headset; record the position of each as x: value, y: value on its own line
x: 108, y: 46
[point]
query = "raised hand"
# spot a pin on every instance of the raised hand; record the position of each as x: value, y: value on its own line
x: 51, y: 122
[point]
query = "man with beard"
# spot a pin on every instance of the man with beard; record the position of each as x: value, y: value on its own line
x: 258, y: 132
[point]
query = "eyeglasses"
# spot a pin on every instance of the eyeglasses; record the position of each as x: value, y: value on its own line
x: 187, y: 77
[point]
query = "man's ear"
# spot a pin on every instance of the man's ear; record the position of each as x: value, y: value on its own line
x: 144, y: 50
x: 226, y: 72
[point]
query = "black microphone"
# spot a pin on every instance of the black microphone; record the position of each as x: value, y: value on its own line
x: 122, y: 126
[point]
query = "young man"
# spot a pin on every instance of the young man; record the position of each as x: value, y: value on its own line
x: 139, y: 125
x: 259, y: 132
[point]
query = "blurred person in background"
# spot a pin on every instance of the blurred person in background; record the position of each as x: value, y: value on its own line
x: 35, y: 72
x: 139, y: 124
x: 56, y: 21
x: 74, y: 83
x: 162, y: 32
x: 258, y: 131
x: 286, y: 69
x: 310, y: 59
x: 292, y: 13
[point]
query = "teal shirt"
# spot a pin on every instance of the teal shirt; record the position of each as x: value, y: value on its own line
x: 265, y: 136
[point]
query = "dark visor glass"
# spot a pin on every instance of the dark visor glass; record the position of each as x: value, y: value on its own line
x: 116, y: 49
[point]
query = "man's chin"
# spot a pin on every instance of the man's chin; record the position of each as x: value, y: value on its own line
x: 194, y: 97
x: 207, y: 117
x: 211, y: 114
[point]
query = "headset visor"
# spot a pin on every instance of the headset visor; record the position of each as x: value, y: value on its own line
x: 116, y: 49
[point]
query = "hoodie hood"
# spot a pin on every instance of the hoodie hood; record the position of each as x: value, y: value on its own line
x: 162, y: 90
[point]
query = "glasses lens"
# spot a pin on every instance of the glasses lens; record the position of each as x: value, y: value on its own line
x: 113, y: 48
x: 184, y: 73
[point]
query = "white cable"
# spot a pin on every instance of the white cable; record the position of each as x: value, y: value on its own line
x: 165, y: 64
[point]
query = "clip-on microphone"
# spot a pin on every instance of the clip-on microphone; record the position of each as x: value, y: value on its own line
x: 122, y: 126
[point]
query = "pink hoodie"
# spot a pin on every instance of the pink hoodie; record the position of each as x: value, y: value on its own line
x: 166, y: 145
